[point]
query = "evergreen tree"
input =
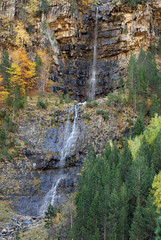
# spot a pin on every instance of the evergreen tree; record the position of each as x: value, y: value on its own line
x: 113, y: 157
x: 139, y: 126
x: 123, y: 225
x: 158, y: 230
x: 138, y: 228
x: 155, y: 107
x: 150, y: 216
x: 38, y: 62
x: 145, y: 151
x: 140, y: 180
x: 44, y: 7
x: 125, y: 162
x: 142, y: 80
x: 156, y: 153
x: 132, y: 79
x: 4, y: 66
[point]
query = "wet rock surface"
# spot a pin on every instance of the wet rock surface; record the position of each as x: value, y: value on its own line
x: 26, y: 180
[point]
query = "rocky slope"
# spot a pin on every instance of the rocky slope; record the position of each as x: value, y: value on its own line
x: 43, y: 136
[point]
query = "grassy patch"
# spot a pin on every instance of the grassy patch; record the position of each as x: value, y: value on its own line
x: 5, y: 211
x: 38, y: 232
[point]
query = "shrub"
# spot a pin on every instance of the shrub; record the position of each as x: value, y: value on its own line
x: 103, y: 113
x: 67, y: 98
x: 2, y: 114
x: 86, y: 115
x: 41, y: 103
x: 91, y: 104
x: 113, y: 99
x: 9, y: 124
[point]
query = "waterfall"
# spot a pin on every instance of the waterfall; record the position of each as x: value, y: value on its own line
x: 50, y: 197
x: 93, y: 77
x: 70, y: 139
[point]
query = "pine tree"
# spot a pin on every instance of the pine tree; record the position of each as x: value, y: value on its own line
x: 132, y: 79
x: 125, y: 162
x: 123, y: 225
x: 150, y: 215
x: 158, y: 230
x: 138, y: 227
x: 155, y: 107
x: 113, y: 157
x: 139, y: 126
x: 142, y: 80
x: 145, y: 151
x: 140, y: 180
x: 5, y: 64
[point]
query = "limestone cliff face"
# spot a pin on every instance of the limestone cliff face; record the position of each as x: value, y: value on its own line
x: 69, y: 34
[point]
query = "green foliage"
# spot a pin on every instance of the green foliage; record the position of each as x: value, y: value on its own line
x: 143, y: 77
x: 133, y: 3
x: 17, y: 100
x: 3, y: 136
x: 38, y: 62
x: 141, y: 108
x: 113, y: 199
x: 103, y: 113
x: 139, y: 126
x: 17, y: 235
x: 86, y: 115
x: 91, y: 104
x: 155, y: 107
x: 49, y: 214
x: 42, y: 102
x: 158, y: 230
x: 159, y: 46
x: 113, y: 99
x: 67, y: 98
x: 44, y: 7
x: 4, y: 66
x: 73, y: 6
x: 156, y: 153
x: 9, y: 124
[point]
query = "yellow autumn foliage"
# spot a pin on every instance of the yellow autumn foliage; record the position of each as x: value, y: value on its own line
x: 22, y: 37
x: 156, y: 190
x: 3, y: 92
x: 150, y: 134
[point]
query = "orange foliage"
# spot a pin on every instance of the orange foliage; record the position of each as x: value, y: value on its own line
x: 22, y: 71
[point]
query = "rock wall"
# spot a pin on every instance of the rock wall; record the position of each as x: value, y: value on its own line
x: 26, y: 180
x: 68, y: 33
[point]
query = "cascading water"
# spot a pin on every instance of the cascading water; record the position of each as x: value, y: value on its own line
x: 50, y: 196
x: 70, y: 139
x: 93, y: 79
x: 69, y: 142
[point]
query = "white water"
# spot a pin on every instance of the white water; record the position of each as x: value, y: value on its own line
x: 70, y: 138
x: 50, y: 196
x: 93, y: 79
